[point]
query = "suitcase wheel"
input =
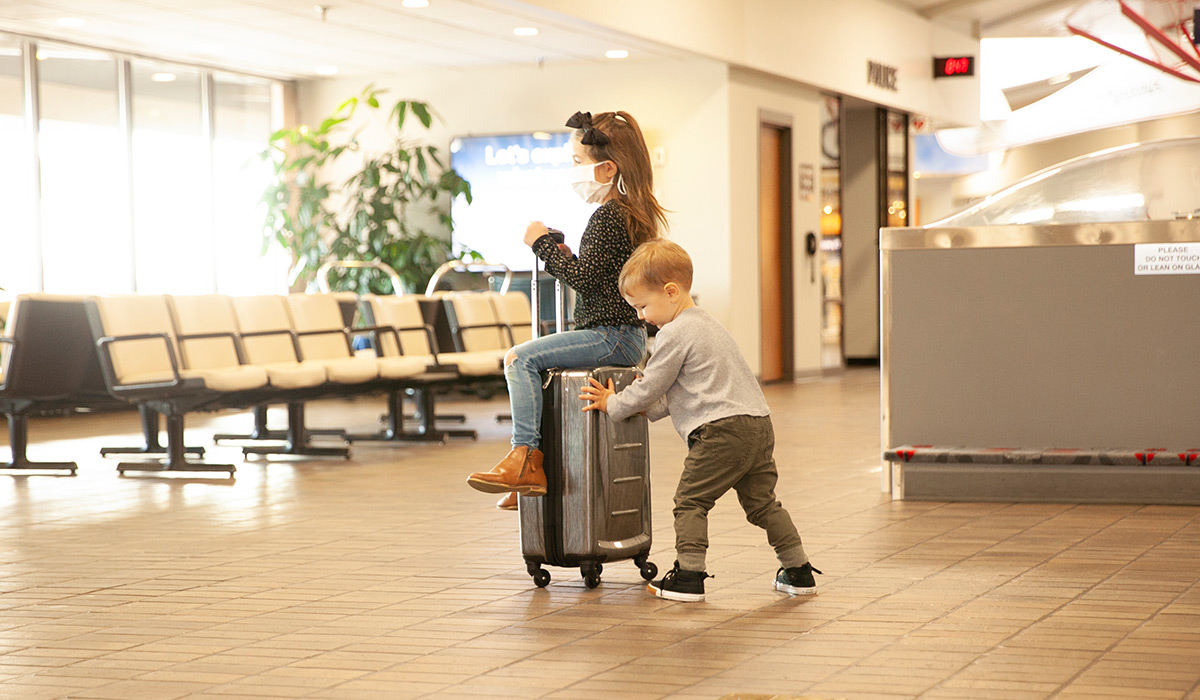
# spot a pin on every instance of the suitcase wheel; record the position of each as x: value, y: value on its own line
x: 541, y: 577
x: 591, y: 574
x: 647, y: 568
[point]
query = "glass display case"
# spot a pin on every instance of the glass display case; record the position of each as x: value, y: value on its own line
x: 1149, y: 181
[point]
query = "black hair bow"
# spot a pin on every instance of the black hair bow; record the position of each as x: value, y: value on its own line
x: 591, y: 135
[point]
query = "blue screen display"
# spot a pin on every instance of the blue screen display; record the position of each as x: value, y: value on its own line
x: 515, y: 179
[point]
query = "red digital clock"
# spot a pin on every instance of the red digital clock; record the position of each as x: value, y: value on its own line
x: 953, y: 66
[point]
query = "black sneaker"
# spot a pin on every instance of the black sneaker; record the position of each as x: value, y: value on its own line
x: 797, y: 580
x: 680, y: 584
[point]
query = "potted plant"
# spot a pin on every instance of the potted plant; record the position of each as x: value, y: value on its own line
x: 382, y: 211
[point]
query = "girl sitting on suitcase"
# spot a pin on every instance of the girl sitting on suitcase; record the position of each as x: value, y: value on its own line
x: 698, y: 376
x: 612, y: 168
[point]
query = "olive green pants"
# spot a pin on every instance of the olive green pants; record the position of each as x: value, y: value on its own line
x: 732, y: 453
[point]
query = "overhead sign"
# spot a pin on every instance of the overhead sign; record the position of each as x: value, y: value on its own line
x: 953, y: 67
x: 1166, y: 259
x: 883, y: 76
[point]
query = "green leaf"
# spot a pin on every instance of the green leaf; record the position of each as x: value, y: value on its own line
x: 422, y: 111
x: 329, y: 124
x: 399, y: 112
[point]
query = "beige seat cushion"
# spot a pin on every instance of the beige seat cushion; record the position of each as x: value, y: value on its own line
x: 240, y: 378
x: 401, y: 367
x: 475, y: 364
x: 349, y: 370
x: 295, y: 375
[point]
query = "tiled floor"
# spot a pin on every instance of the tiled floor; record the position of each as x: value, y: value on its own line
x: 386, y: 577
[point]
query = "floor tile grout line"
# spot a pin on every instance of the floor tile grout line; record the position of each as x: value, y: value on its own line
x: 940, y: 507
x: 1146, y: 620
x: 1046, y: 616
x: 833, y: 620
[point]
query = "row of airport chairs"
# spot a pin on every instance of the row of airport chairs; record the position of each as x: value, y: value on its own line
x: 172, y: 355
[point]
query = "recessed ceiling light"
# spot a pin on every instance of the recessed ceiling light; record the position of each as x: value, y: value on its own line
x: 526, y: 31
x: 415, y: 3
x: 616, y: 53
x: 163, y: 77
x: 326, y: 70
x: 72, y: 22
x: 541, y: 135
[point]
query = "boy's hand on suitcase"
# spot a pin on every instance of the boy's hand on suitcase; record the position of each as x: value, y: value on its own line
x: 597, y: 394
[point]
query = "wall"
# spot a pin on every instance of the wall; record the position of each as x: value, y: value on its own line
x: 750, y: 96
x: 682, y: 106
x: 823, y: 44
x: 703, y: 116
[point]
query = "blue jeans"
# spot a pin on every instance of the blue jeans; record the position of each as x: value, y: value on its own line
x: 594, y: 347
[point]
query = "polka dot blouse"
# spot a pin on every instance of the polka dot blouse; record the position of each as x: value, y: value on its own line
x: 593, y: 275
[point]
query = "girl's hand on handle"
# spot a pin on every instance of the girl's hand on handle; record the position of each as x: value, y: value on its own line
x: 534, y: 231
x: 597, y: 394
x: 566, y: 249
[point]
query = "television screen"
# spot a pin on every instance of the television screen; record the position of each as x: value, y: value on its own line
x: 515, y: 179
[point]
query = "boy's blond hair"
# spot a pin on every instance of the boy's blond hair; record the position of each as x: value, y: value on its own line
x: 654, y: 264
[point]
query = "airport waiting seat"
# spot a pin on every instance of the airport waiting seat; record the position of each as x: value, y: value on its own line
x: 205, y: 325
x: 270, y: 341
x: 514, y: 310
x: 135, y: 338
x: 399, y: 329
x: 475, y: 329
x: 320, y: 327
x: 322, y: 337
x: 44, y: 355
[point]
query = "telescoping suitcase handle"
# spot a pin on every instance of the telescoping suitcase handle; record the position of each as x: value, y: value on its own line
x: 536, y: 298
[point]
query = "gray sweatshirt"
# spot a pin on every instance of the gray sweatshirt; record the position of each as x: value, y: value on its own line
x: 696, y: 375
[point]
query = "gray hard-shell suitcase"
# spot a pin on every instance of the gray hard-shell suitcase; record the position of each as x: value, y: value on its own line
x: 597, y: 503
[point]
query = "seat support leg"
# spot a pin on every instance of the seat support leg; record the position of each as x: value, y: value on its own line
x: 150, y: 431
x: 296, y: 440
x: 262, y: 432
x: 18, y: 441
x: 176, y: 460
x: 424, y: 415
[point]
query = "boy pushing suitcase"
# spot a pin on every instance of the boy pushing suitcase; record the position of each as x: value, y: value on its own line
x: 698, y: 376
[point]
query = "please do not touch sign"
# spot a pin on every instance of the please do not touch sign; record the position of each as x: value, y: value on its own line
x: 1166, y: 259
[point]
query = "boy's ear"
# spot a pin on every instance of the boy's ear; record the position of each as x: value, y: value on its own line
x: 671, y: 290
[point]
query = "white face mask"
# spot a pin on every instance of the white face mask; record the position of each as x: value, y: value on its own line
x: 583, y: 181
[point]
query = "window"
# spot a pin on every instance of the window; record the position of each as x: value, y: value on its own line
x: 241, y: 127
x: 19, y: 263
x: 172, y: 182
x: 149, y: 176
x: 85, y: 193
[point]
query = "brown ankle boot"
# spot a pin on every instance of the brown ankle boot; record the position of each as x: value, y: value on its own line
x: 508, y: 501
x: 520, y: 471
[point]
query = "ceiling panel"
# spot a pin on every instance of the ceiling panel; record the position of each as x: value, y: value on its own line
x: 290, y: 38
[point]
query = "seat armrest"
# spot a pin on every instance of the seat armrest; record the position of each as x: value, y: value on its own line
x: 104, y: 345
x: 507, y: 328
x: 395, y: 331
x: 375, y: 332
x: 344, y: 332
x: 281, y: 331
